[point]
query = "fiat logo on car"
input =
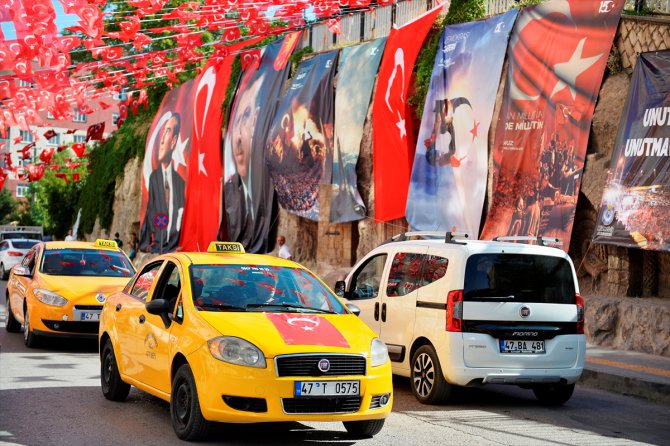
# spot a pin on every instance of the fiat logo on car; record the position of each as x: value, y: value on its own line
x: 324, y: 365
x: 524, y: 311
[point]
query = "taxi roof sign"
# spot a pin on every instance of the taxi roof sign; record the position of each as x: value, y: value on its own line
x: 102, y: 243
x: 226, y: 247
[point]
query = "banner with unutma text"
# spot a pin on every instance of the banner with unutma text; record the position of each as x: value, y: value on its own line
x: 636, y: 200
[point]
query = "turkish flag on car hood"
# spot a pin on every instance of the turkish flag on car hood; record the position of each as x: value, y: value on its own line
x: 393, y: 148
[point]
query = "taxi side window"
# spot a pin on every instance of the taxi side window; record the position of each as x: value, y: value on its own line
x: 169, y: 286
x: 144, y: 281
x: 29, y: 260
x: 366, y: 281
x: 405, y: 274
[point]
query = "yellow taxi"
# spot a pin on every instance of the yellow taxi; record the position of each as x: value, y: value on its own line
x: 227, y: 336
x: 60, y: 287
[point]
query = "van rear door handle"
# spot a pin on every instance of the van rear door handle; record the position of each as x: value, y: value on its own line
x: 384, y: 312
x: 376, y: 311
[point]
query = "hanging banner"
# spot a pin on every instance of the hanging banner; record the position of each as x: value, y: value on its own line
x: 393, y: 144
x: 300, y: 147
x: 636, y: 199
x: 449, y: 175
x: 249, y: 198
x: 357, y: 72
x: 557, y: 55
x: 164, y: 171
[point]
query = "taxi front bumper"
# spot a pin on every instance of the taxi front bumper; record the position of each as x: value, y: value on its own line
x: 238, y: 394
x: 66, y: 321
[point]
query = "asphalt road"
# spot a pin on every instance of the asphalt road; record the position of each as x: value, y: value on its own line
x: 51, y: 396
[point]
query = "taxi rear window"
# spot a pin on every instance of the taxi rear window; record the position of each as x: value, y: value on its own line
x: 85, y: 262
x: 260, y: 288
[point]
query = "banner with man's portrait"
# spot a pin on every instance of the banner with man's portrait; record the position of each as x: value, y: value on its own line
x: 164, y: 171
x: 636, y: 200
x: 300, y: 147
x: 357, y: 73
x: 248, y: 196
x: 557, y: 56
x: 448, y: 182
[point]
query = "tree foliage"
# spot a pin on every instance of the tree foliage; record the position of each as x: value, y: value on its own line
x: 7, y: 206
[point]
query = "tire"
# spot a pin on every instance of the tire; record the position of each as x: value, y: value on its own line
x: 29, y: 338
x: 187, y: 420
x: 554, y: 394
x: 11, y: 324
x: 428, y: 383
x: 111, y: 383
x: 4, y: 274
x: 367, y: 428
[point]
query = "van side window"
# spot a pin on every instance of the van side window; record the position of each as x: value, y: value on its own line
x: 434, y: 268
x: 405, y: 274
x: 366, y: 281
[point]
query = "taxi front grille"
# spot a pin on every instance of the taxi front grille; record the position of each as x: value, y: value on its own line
x: 88, y: 307
x: 320, y: 405
x: 308, y: 365
x: 88, y: 327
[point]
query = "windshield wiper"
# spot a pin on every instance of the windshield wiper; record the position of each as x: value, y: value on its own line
x: 222, y: 307
x: 298, y: 308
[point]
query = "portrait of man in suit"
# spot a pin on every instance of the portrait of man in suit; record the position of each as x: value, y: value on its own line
x: 166, y: 192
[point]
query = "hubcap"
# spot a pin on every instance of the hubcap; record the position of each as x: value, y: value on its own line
x: 423, y: 375
x: 183, y: 403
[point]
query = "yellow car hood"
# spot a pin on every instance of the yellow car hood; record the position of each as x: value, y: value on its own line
x: 286, y: 333
x: 82, y: 289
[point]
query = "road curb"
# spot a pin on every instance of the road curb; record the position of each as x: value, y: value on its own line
x: 651, y: 391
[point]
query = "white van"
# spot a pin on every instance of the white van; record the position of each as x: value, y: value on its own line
x: 455, y: 312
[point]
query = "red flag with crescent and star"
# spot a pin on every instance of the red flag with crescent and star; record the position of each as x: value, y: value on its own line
x: 393, y: 147
x: 303, y: 329
x: 557, y: 55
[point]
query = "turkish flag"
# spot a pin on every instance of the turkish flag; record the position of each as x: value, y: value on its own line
x: 95, y: 131
x: 47, y: 154
x: 49, y: 134
x: 79, y: 148
x: 203, y: 188
x: 393, y: 148
x: 304, y: 329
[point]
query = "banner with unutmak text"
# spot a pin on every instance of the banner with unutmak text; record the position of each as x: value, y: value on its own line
x: 557, y: 56
x: 636, y: 200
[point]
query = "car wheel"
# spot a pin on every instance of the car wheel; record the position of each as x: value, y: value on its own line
x: 112, y: 385
x: 554, y: 394
x: 29, y: 338
x: 11, y: 324
x: 367, y: 428
x: 187, y: 419
x: 3, y: 272
x: 428, y: 383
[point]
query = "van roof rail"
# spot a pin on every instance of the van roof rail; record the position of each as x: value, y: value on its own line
x: 540, y: 240
x: 449, y: 237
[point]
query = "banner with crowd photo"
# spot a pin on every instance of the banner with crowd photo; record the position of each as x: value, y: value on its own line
x: 248, y: 199
x: 357, y: 72
x: 164, y: 171
x: 300, y: 148
x: 557, y: 56
x: 448, y: 182
x: 636, y: 200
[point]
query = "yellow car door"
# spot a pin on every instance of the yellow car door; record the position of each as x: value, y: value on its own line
x: 19, y: 285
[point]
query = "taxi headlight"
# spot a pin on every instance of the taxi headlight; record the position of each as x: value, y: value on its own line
x: 236, y: 351
x: 379, y: 354
x: 49, y: 297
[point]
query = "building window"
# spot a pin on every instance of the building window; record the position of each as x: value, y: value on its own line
x: 23, y: 83
x: 27, y: 136
x: 50, y: 115
x: 22, y: 190
x: 79, y: 138
x: 115, y: 118
x: 55, y: 140
x: 78, y: 116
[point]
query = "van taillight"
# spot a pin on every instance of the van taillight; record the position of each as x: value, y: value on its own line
x: 455, y: 310
x: 579, y: 300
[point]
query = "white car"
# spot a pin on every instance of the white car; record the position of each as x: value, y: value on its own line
x: 12, y: 252
x: 455, y: 312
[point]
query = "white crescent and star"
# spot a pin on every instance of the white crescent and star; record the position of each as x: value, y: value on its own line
x: 302, y: 323
x: 567, y: 72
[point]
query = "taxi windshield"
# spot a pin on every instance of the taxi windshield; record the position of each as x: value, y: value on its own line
x: 85, y: 262
x: 260, y: 288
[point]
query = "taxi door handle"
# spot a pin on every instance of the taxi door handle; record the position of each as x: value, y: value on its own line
x: 383, y: 312
x: 142, y: 319
x: 118, y: 307
x: 376, y: 311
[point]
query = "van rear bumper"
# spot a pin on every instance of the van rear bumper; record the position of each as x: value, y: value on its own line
x: 520, y: 377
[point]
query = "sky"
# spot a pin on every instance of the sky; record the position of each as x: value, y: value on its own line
x: 62, y: 21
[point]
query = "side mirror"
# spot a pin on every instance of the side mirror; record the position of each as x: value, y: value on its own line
x: 20, y: 270
x: 340, y: 288
x: 354, y: 309
x: 158, y: 306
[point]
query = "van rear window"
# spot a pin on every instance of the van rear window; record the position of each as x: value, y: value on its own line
x: 518, y: 277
